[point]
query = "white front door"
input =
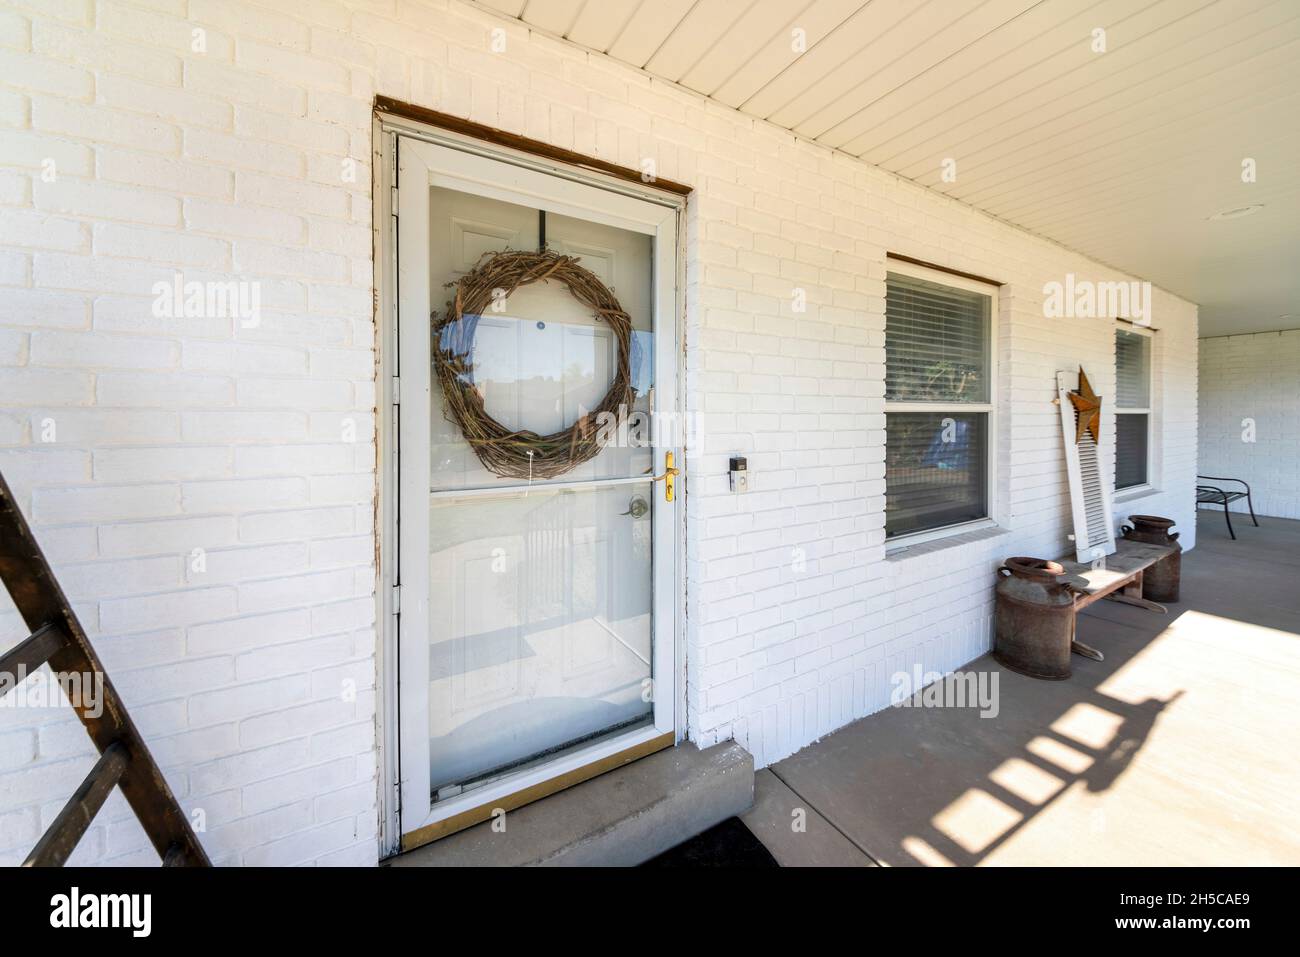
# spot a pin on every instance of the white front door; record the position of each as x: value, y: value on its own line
x: 537, y: 616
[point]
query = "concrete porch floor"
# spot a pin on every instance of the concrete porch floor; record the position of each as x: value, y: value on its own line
x: 1181, y: 748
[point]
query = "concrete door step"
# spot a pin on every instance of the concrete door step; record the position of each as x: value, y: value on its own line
x: 621, y: 818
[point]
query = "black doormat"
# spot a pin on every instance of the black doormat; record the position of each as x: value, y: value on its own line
x: 729, y: 844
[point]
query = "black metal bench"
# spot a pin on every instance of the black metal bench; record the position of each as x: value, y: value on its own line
x: 1213, y: 495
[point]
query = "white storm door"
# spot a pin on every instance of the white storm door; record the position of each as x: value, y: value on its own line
x: 537, y: 617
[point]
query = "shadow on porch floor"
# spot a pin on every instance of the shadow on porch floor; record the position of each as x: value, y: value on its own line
x: 1179, y: 749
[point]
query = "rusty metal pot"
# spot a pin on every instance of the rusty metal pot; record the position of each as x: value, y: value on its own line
x: 1160, y: 581
x: 1034, y: 618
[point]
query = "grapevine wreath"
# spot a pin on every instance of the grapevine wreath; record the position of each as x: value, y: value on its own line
x: 520, y: 453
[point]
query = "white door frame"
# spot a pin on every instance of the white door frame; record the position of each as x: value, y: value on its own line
x: 434, y: 156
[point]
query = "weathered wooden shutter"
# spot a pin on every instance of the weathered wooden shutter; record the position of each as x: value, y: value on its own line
x: 1094, y: 530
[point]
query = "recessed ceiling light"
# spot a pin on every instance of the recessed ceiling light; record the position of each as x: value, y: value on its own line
x: 1238, y: 212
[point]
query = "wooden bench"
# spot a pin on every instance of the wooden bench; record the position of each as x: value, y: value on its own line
x: 1118, y: 578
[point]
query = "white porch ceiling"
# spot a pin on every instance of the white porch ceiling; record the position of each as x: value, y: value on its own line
x: 1122, y: 155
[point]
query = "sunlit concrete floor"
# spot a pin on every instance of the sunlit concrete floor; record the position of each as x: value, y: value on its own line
x: 1181, y: 748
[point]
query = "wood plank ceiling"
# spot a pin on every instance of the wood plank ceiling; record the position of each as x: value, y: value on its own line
x: 1123, y: 155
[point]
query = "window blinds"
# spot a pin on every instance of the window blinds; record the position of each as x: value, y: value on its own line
x: 935, y: 468
x: 936, y: 353
x: 1130, y: 449
x: 936, y: 342
x: 1132, y: 386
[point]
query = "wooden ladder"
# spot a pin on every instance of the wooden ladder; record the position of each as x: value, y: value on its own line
x: 57, y: 638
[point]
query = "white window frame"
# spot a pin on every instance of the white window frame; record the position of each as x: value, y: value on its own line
x: 1148, y: 411
x: 989, y: 408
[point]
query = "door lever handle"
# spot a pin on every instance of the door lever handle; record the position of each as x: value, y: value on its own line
x: 669, y: 477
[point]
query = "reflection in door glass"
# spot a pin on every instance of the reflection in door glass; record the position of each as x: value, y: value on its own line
x: 539, y: 625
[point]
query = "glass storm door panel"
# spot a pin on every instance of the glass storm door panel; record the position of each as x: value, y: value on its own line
x: 540, y: 633
x: 532, y: 619
x: 543, y: 360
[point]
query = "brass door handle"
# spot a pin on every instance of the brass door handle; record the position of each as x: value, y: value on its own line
x: 668, y: 477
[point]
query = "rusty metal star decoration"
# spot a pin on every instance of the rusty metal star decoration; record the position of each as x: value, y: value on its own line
x: 1088, y: 406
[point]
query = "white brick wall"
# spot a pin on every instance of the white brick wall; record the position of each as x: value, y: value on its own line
x: 1250, y: 417
x: 177, y: 434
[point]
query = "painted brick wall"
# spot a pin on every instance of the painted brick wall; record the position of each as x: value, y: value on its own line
x: 1250, y: 417
x: 255, y: 445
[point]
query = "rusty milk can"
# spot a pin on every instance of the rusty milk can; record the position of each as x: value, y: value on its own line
x: 1160, y: 581
x: 1034, y: 618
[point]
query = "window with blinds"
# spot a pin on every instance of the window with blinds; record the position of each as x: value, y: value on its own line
x: 1132, y: 408
x: 936, y: 342
x: 938, y: 401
